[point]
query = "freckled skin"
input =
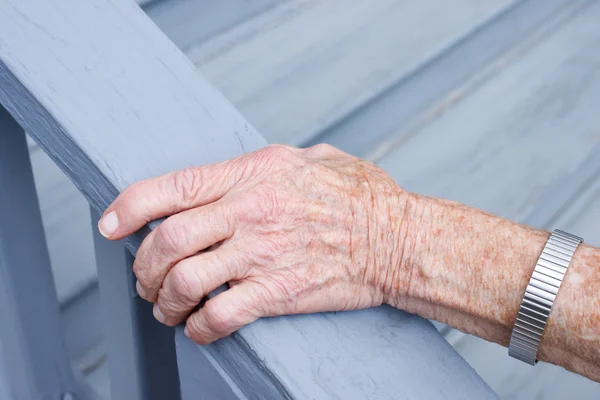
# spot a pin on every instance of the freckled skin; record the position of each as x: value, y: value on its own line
x: 308, y: 230
x: 470, y: 270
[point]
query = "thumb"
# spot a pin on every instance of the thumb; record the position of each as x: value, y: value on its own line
x: 166, y: 195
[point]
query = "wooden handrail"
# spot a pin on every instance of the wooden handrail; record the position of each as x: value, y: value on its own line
x: 112, y: 101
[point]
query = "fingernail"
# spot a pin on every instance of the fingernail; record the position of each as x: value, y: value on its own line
x: 108, y: 224
x: 158, y: 314
x: 140, y: 290
x: 186, y: 332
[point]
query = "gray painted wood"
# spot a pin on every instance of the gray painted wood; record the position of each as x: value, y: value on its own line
x: 4, y: 394
x: 83, y: 326
x: 65, y: 216
x: 190, y: 22
x: 69, y: 232
x: 33, y: 348
x: 142, y: 360
x: 435, y: 85
x: 305, y: 64
x: 123, y: 104
x: 517, y: 134
x: 204, y: 377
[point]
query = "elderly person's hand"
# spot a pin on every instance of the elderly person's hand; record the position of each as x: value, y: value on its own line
x: 290, y: 230
x: 301, y: 231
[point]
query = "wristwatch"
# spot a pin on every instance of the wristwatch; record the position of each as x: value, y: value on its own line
x: 540, y: 294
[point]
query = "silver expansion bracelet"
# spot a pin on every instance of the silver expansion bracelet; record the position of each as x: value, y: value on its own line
x: 540, y: 294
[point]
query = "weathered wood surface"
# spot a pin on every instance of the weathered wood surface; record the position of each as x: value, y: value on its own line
x: 141, y: 351
x: 309, y: 63
x: 518, y: 132
x: 191, y: 22
x: 32, y: 343
x: 69, y: 233
x: 4, y: 394
x: 113, y: 101
x: 368, y: 130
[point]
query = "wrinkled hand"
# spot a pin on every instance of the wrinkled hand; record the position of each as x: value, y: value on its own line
x: 292, y: 231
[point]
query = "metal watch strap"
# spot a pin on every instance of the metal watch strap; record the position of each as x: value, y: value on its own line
x: 540, y: 294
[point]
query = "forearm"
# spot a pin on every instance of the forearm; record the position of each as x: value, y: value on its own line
x: 469, y: 269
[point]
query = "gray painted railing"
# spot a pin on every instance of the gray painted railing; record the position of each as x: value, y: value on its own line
x: 112, y: 101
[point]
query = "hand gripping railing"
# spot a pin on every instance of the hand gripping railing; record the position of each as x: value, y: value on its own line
x: 112, y: 101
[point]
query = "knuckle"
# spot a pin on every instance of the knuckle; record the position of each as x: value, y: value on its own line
x: 183, y: 283
x: 171, y: 236
x: 369, y: 165
x: 198, y: 333
x: 280, y: 152
x: 323, y: 149
x: 170, y: 313
x: 217, y: 319
x: 143, y: 274
x: 187, y: 183
x: 139, y: 271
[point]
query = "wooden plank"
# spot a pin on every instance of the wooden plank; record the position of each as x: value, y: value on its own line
x: 4, y: 394
x: 142, y: 361
x: 502, y: 146
x: 68, y: 231
x: 306, y: 64
x: 37, y: 363
x: 431, y: 88
x: 112, y: 101
x: 65, y: 214
x: 191, y: 22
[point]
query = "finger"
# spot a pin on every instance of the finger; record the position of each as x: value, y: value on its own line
x: 165, y: 195
x: 178, y: 237
x: 193, y: 278
x: 224, y: 314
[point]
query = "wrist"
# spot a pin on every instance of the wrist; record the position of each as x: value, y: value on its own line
x: 463, y: 267
x: 408, y: 232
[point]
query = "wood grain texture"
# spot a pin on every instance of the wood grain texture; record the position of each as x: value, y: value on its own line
x: 112, y: 101
x: 502, y: 146
x: 302, y: 66
x: 436, y: 84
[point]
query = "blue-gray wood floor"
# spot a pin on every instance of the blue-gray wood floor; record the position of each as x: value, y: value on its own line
x: 494, y: 104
